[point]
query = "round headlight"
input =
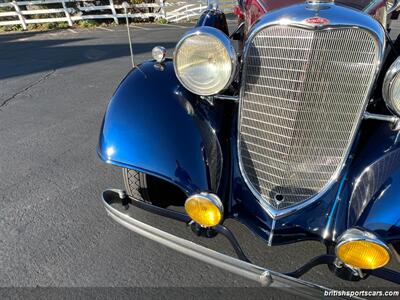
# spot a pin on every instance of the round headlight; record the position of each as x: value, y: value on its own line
x: 205, y: 61
x: 391, y: 87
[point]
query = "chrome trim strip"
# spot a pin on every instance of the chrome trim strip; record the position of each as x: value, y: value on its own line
x: 263, y: 276
x: 262, y: 5
x: 271, y: 233
x: 226, y: 97
x: 319, y: 1
x: 394, y: 7
x: 340, y: 18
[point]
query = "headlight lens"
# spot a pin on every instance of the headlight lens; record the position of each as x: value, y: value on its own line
x: 205, y: 61
x: 391, y: 87
x: 363, y: 250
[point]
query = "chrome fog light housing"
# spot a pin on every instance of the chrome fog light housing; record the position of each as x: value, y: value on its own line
x: 391, y: 87
x: 159, y: 53
x: 361, y: 249
x: 205, y: 209
x: 205, y: 61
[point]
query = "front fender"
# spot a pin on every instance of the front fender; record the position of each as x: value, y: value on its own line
x: 375, y: 184
x: 375, y: 202
x: 154, y: 125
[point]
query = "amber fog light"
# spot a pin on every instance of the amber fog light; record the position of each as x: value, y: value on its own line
x: 363, y: 250
x: 205, y: 209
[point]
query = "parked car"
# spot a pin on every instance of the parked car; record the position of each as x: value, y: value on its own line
x: 294, y: 133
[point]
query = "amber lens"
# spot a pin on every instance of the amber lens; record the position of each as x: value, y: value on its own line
x: 203, y: 211
x: 363, y: 254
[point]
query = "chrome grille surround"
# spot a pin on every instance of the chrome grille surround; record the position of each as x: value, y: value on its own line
x: 282, y: 149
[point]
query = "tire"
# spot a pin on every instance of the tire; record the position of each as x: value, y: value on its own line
x: 135, y: 184
x: 152, y: 190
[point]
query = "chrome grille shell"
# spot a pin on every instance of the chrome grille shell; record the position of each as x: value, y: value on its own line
x: 267, y: 123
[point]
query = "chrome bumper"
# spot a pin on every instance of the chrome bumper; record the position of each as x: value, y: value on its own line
x: 264, y: 277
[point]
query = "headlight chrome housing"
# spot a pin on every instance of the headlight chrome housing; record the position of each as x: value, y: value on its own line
x: 391, y: 87
x: 205, y: 61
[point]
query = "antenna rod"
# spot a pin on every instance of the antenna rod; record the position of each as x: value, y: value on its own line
x: 125, y: 5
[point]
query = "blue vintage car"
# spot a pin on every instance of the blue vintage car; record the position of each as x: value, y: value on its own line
x: 294, y: 132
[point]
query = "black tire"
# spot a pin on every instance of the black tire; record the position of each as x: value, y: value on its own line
x: 135, y: 184
x: 151, y: 189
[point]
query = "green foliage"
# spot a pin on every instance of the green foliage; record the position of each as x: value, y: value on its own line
x: 37, y: 27
x: 48, y: 26
x: 33, y: 26
x: 10, y: 28
x: 161, y: 21
x: 62, y: 25
x: 87, y: 23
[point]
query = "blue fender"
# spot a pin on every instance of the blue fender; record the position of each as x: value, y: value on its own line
x: 374, y: 202
x: 154, y: 125
x: 213, y: 18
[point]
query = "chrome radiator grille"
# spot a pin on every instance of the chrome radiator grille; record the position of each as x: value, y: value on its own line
x: 303, y: 95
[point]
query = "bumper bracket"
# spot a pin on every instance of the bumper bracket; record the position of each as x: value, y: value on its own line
x: 266, y: 278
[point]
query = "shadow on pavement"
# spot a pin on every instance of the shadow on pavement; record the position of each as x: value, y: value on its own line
x: 21, y: 56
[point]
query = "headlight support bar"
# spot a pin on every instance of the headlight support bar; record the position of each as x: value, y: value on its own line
x: 395, y: 121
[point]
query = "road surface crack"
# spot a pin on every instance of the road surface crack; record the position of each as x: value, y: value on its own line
x: 39, y: 81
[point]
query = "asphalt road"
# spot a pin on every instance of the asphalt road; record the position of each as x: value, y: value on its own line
x: 54, y: 89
